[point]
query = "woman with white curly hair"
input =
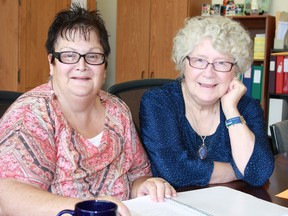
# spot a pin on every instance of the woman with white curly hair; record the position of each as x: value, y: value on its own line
x: 202, y: 129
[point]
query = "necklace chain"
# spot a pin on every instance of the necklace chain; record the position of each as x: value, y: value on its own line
x: 203, y: 151
x: 196, y: 122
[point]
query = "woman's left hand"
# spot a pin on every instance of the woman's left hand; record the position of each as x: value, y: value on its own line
x: 157, y: 188
x: 234, y: 93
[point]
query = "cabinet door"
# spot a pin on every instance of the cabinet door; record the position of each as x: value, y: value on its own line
x: 132, y: 39
x: 9, y: 45
x: 35, y: 18
x: 167, y: 17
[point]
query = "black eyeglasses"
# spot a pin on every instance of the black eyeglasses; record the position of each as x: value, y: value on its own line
x: 69, y: 57
x: 220, y: 66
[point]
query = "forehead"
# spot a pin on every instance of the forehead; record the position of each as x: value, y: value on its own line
x: 77, y: 35
x: 205, y: 48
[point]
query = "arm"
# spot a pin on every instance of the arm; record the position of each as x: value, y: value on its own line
x: 21, y: 199
x: 222, y: 173
x: 252, y: 156
x: 18, y: 198
x: 241, y: 138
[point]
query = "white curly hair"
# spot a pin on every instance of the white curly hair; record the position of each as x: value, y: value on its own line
x: 228, y: 37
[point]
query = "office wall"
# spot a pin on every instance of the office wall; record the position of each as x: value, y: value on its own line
x: 108, y: 9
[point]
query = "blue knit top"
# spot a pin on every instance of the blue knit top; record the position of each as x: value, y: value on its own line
x: 172, y: 144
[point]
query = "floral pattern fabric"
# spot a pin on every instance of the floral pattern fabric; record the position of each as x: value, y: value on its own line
x: 39, y: 147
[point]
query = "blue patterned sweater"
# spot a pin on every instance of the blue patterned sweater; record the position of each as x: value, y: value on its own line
x: 172, y: 144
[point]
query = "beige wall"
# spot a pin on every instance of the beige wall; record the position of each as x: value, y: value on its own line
x: 275, y: 5
x: 108, y: 9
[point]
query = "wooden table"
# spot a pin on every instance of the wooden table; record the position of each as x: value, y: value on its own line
x: 277, y: 183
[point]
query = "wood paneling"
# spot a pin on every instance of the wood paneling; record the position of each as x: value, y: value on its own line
x: 9, y: 44
x: 26, y: 25
x: 145, y: 32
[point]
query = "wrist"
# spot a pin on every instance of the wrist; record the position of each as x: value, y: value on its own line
x: 136, y: 184
x: 230, y: 111
x: 235, y: 120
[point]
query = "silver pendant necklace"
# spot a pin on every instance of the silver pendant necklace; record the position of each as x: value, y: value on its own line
x: 203, y: 151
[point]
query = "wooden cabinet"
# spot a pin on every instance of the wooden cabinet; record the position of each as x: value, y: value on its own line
x: 9, y: 45
x: 262, y: 24
x: 24, y: 58
x: 145, y: 32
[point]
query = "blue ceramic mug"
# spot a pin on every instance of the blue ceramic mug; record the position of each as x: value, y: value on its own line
x: 92, y: 208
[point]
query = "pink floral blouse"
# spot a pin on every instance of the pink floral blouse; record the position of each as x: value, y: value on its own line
x: 38, y: 146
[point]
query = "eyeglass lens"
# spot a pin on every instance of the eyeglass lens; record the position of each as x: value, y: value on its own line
x: 74, y: 57
x: 221, y: 66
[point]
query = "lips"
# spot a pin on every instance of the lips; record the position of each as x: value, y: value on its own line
x: 207, y: 85
x: 81, y: 78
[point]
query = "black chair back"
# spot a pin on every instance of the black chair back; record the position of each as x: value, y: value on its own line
x: 131, y: 92
x: 6, y: 99
x: 279, y: 135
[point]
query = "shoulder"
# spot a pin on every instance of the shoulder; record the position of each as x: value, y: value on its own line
x: 31, y: 108
x: 163, y: 100
x: 34, y: 98
x: 168, y: 91
x: 113, y: 103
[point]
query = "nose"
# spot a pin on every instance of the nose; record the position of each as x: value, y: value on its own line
x: 209, y: 71
x: 82, y: 65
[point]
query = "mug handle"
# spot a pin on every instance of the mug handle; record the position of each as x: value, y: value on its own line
x: 66, y: 211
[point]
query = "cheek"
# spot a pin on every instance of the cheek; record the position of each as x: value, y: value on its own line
x: 226, y: 80
x: 99, y: 71
x: 224, y: 88
x: 191, y: 74
x: 61, y: 70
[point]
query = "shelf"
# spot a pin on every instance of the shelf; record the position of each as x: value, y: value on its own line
x: 260, y: 60
x: 261, y: 24
x: 280, y: 96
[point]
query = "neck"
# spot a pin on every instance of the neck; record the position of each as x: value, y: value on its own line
x: 202, y: 118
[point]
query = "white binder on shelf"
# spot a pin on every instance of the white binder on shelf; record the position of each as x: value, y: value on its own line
x: 278, y: 111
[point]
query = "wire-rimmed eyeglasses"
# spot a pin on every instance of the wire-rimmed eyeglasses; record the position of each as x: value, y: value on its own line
x: 70, y: 57
x: 220, y: 66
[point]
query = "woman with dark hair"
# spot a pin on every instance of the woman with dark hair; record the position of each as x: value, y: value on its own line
x: 68, y: 140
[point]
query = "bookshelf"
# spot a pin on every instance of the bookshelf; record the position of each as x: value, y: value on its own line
x: 261, y: 24
x: 277, y: 88
x: 277, y: 109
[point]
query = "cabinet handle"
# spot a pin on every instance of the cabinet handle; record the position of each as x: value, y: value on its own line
x: 152, y: 74
x: 142, y: 74
x: 18, y: 76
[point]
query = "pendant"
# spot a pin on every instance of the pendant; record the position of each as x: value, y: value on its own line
x: 203, y: 151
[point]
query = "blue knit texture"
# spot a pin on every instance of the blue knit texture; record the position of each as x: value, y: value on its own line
x: 172, y: 144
